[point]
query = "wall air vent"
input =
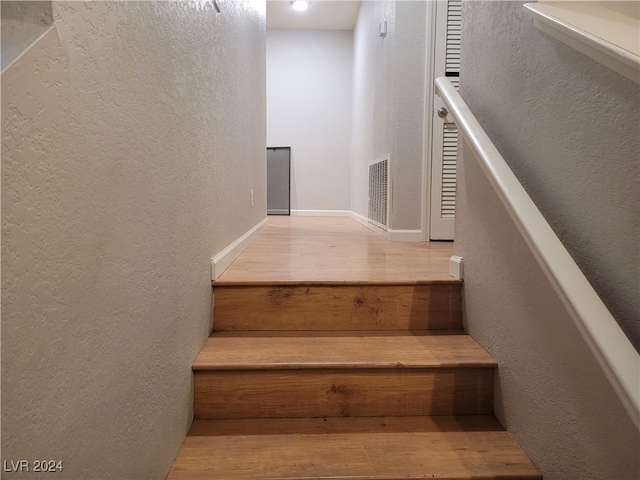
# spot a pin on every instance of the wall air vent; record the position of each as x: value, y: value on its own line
x: 379, y: 192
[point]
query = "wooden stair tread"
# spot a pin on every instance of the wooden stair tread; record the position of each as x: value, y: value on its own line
x: 385, y: 351
x: 446, y: 447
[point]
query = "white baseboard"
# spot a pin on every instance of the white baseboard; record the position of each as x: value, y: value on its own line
x: 365, y: 221
x: 456, y: 267
x: 320, y: 213
x: 222, y: 260
x: 392, y: 235
x: 406, y: 236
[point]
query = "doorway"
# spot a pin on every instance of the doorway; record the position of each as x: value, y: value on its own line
x: 279, y: 181
x: 444, y: 145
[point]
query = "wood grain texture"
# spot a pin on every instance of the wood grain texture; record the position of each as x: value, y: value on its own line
x: 337, y: 307
x: 328, y: 425
x: 325, y: 249
x: 406, y: 351
x: 375, y: 449
x: 345, y: 392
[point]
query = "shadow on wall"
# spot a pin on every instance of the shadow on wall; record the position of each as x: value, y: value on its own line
x: 22, y: 24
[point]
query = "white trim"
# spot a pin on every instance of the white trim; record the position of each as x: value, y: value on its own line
x: 428, y: 119
x: 390, y: 234
x: 405, y: 235
x: 568, y: 23
x: 367, y: 223
x: 615, y: 353
x: 456, y: 267
x: 320, y: 213
x: 222, y: 260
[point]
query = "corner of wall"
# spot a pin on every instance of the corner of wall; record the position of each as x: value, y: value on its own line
x: 23, y: 22
x: 221, y: 261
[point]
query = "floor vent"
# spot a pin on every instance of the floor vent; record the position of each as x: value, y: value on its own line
x: 379, y: 192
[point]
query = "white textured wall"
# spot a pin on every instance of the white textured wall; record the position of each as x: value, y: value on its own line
x: 388, y: 105
x: 408, y: 124
x: 309, y: 79
x: 568, y: 127
x: 372, y: 86
x: 131, y: 137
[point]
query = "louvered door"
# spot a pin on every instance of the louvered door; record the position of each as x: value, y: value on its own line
x: 445, y: 135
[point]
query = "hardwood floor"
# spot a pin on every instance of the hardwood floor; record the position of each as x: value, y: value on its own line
x: 371, y: 351
x: 335, y: 249
x: 339, y: 355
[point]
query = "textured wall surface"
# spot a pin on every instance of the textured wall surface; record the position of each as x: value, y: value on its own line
x: 408, y: 114
x: 372, y: 86
x: 568, y: 127
x: 132, y: 134
x: 309, y: 89
x: 388, y: 105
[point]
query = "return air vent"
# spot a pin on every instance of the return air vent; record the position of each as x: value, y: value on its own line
x: 379, y: 192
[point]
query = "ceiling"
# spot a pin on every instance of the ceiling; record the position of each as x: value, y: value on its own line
x: 321, y: 15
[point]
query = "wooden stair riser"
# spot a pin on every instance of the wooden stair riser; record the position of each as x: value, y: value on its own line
x: 337, y: 307
x: 343, y: 393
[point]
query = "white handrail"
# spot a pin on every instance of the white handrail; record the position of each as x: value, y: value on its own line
x: 614, y: 352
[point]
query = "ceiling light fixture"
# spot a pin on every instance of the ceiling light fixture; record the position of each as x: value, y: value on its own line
x: 300, y: 5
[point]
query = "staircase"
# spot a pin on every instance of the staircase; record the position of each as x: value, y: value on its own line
x: 344, y: 381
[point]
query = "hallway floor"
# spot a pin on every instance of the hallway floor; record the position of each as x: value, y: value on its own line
x: 335, y: 250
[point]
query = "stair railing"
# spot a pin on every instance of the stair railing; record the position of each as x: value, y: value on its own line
x: 612, y: 349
